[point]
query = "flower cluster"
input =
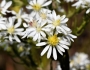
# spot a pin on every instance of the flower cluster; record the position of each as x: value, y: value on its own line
x: 41, y: 25
x: 80, y: 61
x: 84, y: 4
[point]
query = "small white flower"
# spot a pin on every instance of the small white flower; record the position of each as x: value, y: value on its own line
x: 79, y: 60
x: 4, y: 6
x: 20, y: 15
x: 13, y: 30
x: 36, y: 30
x: 44, y: 15
x: 37, y: 5
x: 58, y: 23
x: 52, y: 43
x: 83, y: 4
x: 79, y: 4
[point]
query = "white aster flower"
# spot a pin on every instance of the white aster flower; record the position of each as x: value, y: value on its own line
x: 37, y: 5
x: 20, y: 15
x: 79, y: 60
x: 30, y: 18
x: 59, y: 23
x: 83, y: 4
x: 44, y: 15
x: 78, y: 4
x: 4, y: 6
x: 13, y: 30
x: 52, y: 44
x: 36, y: 30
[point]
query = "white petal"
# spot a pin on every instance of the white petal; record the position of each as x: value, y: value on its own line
x: 64, y: 46
x: 42, y: 24
x: 54, y: 14
x: 3, y: 3
x: 10, y: 38
x: 34, y: 1
x: 45, y: 50
x: 18, y: 24
x: 60, y: 48
x: 20, y: 11
x: 63, y: 30
x: 30, y: 29
x: 8, y: 5
x: 87, y: 11
x: 41, y: 44
x: 24, y: 35
x: 35, y: 37
x: 59, y: 51
x: 29, y: 7
x: 40, y: 2
x: 66, y: 28
x: 2, y: 26
x: 24, y: 15
x: 73, y: 36
x: 17, y: 39
x: 25, y: 25
x: 46, y: 29
x: 64, y: 42
x: 71, y: 39
x: 49, y: 52
x: 65, y: 20
x: 19, y: 29
x: 43, y: 34
x: 62, y: 17
x: 54, y: 53
x: 11, y: 21
x: 3, y: 12
x: 31, y: 3
x: 13, y: 12
x: 32, y: 33
x: 47, y: 3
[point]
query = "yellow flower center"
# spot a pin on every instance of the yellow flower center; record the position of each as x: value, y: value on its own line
x: 10, y: 30
x: 53, y: 40
x: 43, y: 15
x: 56, y: 22
x: 38, y: 29
x: 36, y: 7
x: 18, y: 16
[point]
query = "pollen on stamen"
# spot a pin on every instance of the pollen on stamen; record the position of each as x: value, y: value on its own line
x: 53, y: 40
x: 56, y: 22
x: 38, y: 29
x: 36, y: 7
x: 43, y: 15
x: 11, y: 30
